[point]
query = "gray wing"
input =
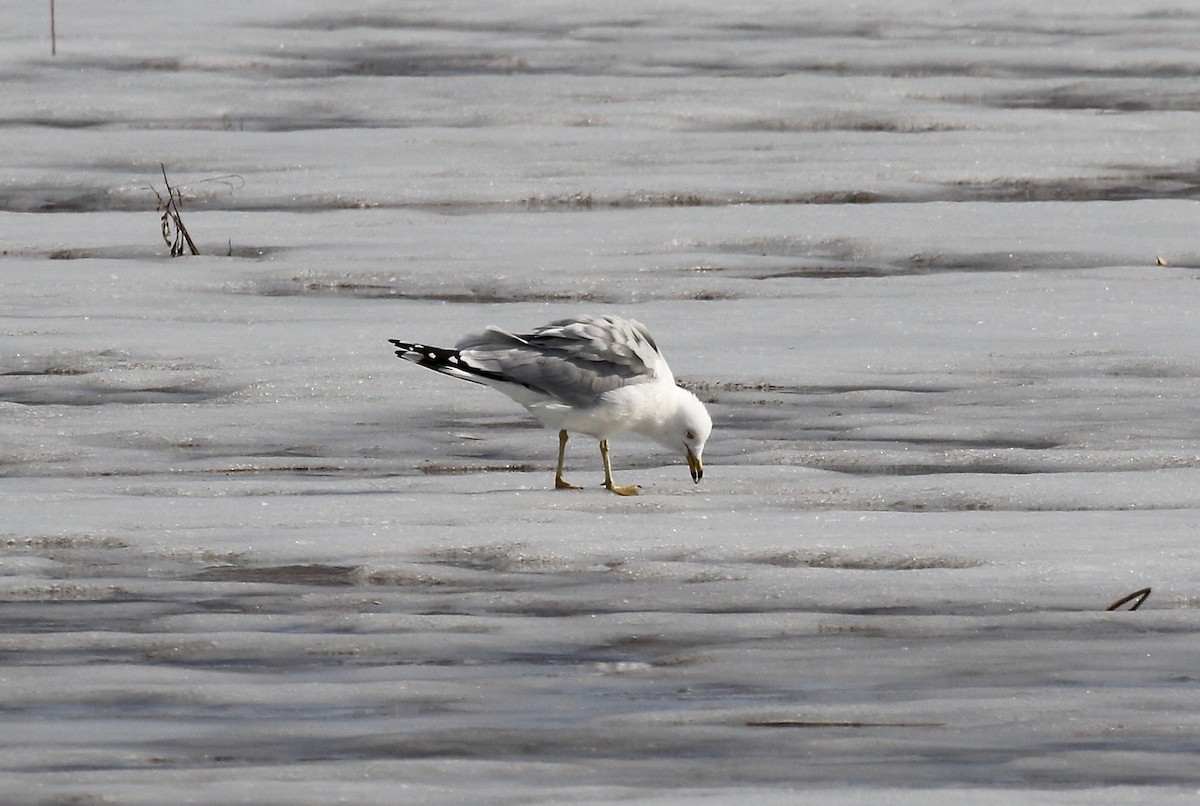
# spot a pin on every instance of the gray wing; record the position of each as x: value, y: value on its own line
x: 572, y: 360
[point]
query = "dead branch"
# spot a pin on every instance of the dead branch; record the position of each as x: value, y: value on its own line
x: 173, y: 230
x: 1140, y: 596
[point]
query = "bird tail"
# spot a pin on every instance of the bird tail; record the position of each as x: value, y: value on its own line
x: 439, y: 359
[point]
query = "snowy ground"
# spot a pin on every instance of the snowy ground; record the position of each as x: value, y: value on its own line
x: 933, y: 266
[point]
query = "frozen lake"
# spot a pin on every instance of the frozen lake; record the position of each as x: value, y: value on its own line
x: 932, y: 266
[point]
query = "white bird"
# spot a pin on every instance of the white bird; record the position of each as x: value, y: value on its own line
x: 595, y: 375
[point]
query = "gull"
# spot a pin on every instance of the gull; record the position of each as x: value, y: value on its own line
x: 594, y: 375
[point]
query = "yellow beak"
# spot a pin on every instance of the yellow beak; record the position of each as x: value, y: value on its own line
x: 695, y: 465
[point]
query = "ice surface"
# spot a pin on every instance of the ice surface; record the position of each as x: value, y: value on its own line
x: 932, y: 267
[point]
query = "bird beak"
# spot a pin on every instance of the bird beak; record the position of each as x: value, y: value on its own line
x: 695, y: 465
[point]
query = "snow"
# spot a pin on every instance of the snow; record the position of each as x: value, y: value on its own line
x: 932, y: 269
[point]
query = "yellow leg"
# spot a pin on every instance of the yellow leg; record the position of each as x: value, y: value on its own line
x: 608, y: 482
x: 559, y: 482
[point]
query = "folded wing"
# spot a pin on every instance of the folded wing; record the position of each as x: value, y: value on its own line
x: 572, y: 360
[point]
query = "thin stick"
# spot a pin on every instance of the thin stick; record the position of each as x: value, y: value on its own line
x: 53, y: 35
x: 1141, y: 596
x: 173, y: 230
x: 177, y: 217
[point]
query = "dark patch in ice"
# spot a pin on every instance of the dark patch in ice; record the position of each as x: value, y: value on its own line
x: 501, y: 557
x: 50, y: 544
x: 302, y: 574
x: 1106, y: 98
x: 47, y: 370
x: 989, y: 443
x: 110, y: 376
x: 406, y: 62
x: 403, y: 290
x: 66, y: 607
x: 848, y: 122
x: 1149, y: 368
x: 1156, y: 185
x: 583, y: 655
x: 707, y: 387
x: 862, y: 562
x: 1151, y: 185
x: 246, y: 122
x: 891, y: 429
x: 465, y: 293
x: 49, y: 199
x: 362, y: 59
x: 949, y: 504
x: 57, y: 200
x: 860, y: 462
x: 939, y: 262
x: 108, y: 253
x: 776, y: 259
x: 156, y: 252
x: 434, y: 20
x: 58, y: 122
x: 443, y: 469
x: 644, y: 200
x: 818, y: 724
x: 99, y: 394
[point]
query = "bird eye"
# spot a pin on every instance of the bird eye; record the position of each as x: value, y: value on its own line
x: 690, y: 435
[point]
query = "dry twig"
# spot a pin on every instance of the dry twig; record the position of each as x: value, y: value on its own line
x: 1140, y: 596
x: 173, y: 231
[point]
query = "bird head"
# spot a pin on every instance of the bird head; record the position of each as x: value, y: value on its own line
x: 689, y: 429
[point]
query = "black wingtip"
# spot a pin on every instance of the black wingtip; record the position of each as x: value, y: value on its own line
x: 409, y: 350
x: 436, y: 358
